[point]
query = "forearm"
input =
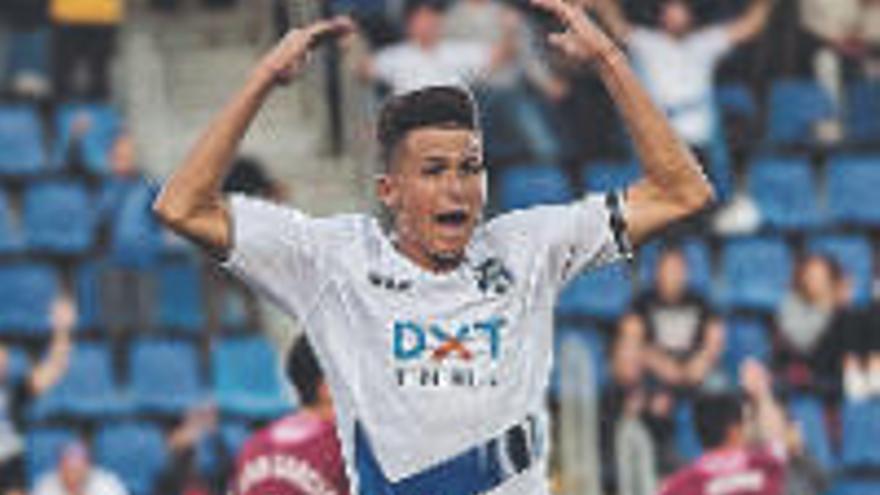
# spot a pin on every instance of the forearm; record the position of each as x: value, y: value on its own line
x: 700, y: 365
x: 769, y: 419
x: 55, y: 364
x: 751, y: 22
x: 613, y: 18
x: 196, y: 186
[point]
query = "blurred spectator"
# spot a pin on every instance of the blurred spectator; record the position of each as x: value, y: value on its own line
x: 424, y: 58
x: 507, y: 93
x: 84, y: 41
x: 677, y: 61
x: 305, y: 441
x: 745, y: 444
x: 76, y: 475
x: 684, y: 338
x: 804, y: 320
x: 848, y: 34
x: 249, y: 176
x: 125, y: 176
x: 14, y: 396
x: 184, y: 475
x: 804, y: 475
x: 26, y: 67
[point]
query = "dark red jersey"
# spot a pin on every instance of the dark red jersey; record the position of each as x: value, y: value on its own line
x: 748, y: 471
x: 298, y: 455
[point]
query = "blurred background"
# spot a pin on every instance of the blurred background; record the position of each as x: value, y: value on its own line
x: 144, y: 358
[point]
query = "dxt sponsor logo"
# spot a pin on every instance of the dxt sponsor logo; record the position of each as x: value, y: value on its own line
x: 464, y: 342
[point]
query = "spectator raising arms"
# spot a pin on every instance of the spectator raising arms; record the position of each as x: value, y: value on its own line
x: 14, y: 395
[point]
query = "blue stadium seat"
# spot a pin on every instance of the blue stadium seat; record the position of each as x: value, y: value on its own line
x: 22, y: 142
x: 136, y: 238
x: 861, y: 434
x: 807, y: 412
x: 10, y: 238
x: 696, y: 254
x: 592, y: 342
x: 604, y: 293
x: 853, y: 182
x: 19, y: 363
x: 248, y: 378
x: 795, y: 106
x: 164, y: 376
x: 785, y: 192
x: 746, y: 338
x: 43, y: 448
x: 863, y: 107
x: 96, y: 143
x: 87, y: 290
x: 135, y: 451
x: 607, y: 176
x: 231, y: 437
x: 87, y: 390
x: 26, y: 294
x: 854, y: 254
x: 854, y: 486
x: 756, y: 273
x: 180, y: 299
x: 59, y: 218
x: 523, y: 186
x: 736, y: 99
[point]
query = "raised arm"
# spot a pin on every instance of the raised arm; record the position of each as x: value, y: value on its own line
x: 191, y: 202
x: 50, y: 370
x: 673, y: 186
x: 768, y: 421
x: 751, y: 22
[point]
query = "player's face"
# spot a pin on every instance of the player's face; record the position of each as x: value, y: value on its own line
x: 676, y: 17
x: 436, y: 190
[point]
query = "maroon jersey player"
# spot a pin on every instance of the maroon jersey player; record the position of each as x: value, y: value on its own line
x: 745, y: 453
x: 299, y: 454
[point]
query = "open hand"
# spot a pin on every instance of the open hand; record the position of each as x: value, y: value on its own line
x: 287, y: 59
x: 582, y: 40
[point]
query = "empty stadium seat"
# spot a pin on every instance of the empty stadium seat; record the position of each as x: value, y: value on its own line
x: 756, y: 273
x: 863, y: 107
x: 231, y: 437
x: 135, y: 451
x: 88, y: 388
x: 529, y: 185
x: 248, y: 378
x: 603, y: 293
x: 736, y: 99
x: 795, y: 107
x: 87, y: 291
x: 43, y: 447
x: 807, y: 412
x: 853, y: 182
x: 861, y: 434
x: 10, y: 238
x: 698, y: 260
x: 59, y: 218
x: 96, y: 143
x: 745, y: 338
x: 135, y: 237
x: 607, y: 176
x: 854, y: 254
x: 180, y: 299
x: 26, y: 294
x: 164, y: 376
x: 21, y: 141
x: 785, y: 193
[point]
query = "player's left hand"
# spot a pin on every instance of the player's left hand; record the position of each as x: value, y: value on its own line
x: 582, y: 40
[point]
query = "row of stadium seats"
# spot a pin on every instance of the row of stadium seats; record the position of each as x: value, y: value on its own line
x: 134, y: 450
x: 164, y: 378
x: 785, y: 189
x: 25, y: 149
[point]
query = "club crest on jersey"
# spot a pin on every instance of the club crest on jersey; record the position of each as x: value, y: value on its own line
x: 433, y: 354
x: 493, y: 276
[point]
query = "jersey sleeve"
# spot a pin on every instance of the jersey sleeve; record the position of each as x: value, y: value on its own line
x: 582, y: 235
x: 274, y: 251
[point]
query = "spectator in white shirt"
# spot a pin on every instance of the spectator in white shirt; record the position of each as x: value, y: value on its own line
x: 76, y: 475
x: 677, y: 62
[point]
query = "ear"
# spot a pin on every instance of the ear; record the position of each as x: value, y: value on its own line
x: 387, y: 191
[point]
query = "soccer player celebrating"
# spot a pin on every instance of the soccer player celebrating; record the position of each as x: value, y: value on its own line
x: 745, y: 445
x: 435, y: 333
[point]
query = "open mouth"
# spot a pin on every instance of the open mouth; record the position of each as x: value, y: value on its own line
x: 453, y: 218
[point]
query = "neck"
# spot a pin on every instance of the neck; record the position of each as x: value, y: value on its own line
x: 320, y: 410
x: 429, y: 261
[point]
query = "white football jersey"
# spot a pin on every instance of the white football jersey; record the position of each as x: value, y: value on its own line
x: 429, y: 364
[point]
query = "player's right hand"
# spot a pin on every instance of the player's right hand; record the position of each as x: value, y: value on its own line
x: 288, y: 58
